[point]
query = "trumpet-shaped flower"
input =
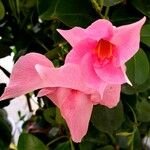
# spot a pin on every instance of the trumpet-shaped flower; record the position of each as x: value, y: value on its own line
x: 102, y: 50
x: 64, y: 86
x: 93, y: 72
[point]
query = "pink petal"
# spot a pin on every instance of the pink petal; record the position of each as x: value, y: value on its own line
x: 24, y: 77
x: 110, y: 98
x: 99, y: 29
x: 127, y: 40
x: 76, y: 109
x: 91, y: 78
x: 56, y: 95
x: 110, y: 74
x: 78, y: 51
x: 67, y: 76
x: 73, y: 36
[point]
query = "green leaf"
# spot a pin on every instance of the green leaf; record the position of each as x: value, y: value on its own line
x: 143, y: 110
x: 145, y: 34
x: 86, y: 145
x: 28, y: 141
x: 138, y: 68
x: 2, y: 10
x: 109, y: 3
x: 5, y: 136
x: 107, y: 120
x: 59, y: 118
x: 70, y: 12
x: 108, y: 147
x: 49, y: 115
x: 127, y: 89
x: 142, y: 5
x: 64, y: 146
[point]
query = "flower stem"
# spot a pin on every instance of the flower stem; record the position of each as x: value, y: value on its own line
x: 71, y: 144
x: 106, y: 13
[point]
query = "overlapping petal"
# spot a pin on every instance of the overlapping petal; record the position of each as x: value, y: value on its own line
x: 77, y: 53
x: 99, y: 29
x: 67, y: 76
x: 24, y: 78
x: 76, y: 109
x: 110, y: 97
x: 90, y: 77
x: 125, y: 39
x: 110, y: 74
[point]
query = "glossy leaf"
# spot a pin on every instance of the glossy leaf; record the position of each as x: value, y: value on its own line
x: 143, y: 110
x: 70, y: 12
x: 63, y: 146
x: 107, y: 120
x: 145, y: 34
x: 138, y: 68
x: 142, y: 5
x: 28, y: 141
x: 5, y: 136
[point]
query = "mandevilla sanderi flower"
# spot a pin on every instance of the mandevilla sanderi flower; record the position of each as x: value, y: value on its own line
x: 101, y: 50
x: 63, y: 86
x: 92, y: 74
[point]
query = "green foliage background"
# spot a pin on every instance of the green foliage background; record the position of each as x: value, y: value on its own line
x: 30, y: 25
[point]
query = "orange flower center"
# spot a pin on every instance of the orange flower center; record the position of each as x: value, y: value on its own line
x: 104, y: 49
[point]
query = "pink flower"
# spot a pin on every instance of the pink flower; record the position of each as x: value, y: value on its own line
x: 63, y: 86
x: 76, y: 106
x: 101, y: 50
x: 93, y: 72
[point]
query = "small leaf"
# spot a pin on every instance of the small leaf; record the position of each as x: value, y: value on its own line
x: 124, y: 134
x: 145, y: 34
x: 28, y: 141
x: 138, y: 68
x: 107, y: 120
x: 2, y: 10
x: 143, y: 110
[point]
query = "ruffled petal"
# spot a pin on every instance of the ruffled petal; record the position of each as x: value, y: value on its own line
x: 127, y: 40
x: 78, y: 51
x: 24, y: 77
x: 99, y: 29
x: 110, y: 98
x: 111, y: 74
x: 67, y: 76
x: 91, y: 78
x: 77, y: 110
x: 75, y: 107
x: 56, y: 95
